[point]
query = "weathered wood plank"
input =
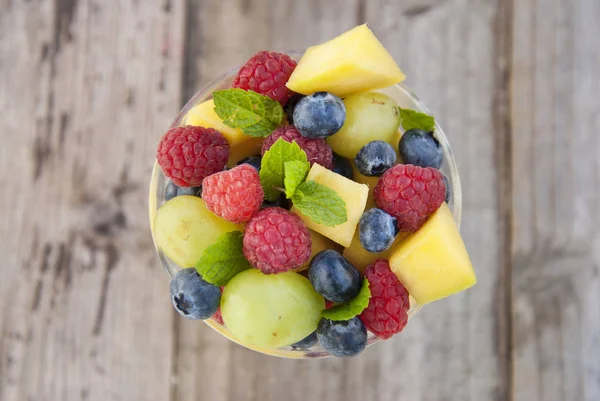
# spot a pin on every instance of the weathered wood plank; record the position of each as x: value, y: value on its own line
x: 556, y: 175
x: 86, y: 88
x: 450, y: 352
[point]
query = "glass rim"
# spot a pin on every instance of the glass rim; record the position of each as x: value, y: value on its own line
x: 205, y: 94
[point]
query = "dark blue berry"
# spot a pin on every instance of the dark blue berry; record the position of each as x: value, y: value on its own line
x: 375, y: 158
x: 420, y: 148
x: 342, y: 337
x: 333, y: 276
x: 319, y: 115
x: 377, y: 230
x: 290, y: 106
x: 173, y: 190
x: 253, y: 161
x: 448, y: 189
x: 193, y: 297
x: 342, y: 166
x: 307, y: 342
x: 281, y: 201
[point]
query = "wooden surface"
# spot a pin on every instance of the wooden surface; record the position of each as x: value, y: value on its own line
x: 87, y: 88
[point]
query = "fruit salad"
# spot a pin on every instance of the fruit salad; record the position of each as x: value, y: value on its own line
x: 303, y: 208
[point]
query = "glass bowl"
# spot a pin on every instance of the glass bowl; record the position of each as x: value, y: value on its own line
x: 405, y: 98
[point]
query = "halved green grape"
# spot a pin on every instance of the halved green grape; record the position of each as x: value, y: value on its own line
x: 270, y: 310
x: 370, y: 116
x: 184, y: 228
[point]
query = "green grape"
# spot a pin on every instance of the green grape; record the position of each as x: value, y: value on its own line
x: 184, y: 228
x: 270, y: 310
x: 370, y: 116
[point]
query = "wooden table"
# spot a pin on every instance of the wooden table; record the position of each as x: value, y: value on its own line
x: 86, y: 89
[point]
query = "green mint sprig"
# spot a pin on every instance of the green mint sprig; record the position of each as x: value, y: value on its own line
x: 414, y: 119
x: 284, y: 167
x: 354, y: 307
x: 272, y: 168
x: 223, y: 260
x: 255, y: 114
x: 294, y: 174
x: 321, y: 204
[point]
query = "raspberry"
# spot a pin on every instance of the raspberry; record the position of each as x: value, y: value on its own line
x: 267, y: 73
x: 234, y: 195
x: 189, y: 154
x: 387, y: 313
x: 276, y: 240
x: 218, y: 317
x: 317, y: 150
x: 410, y: 194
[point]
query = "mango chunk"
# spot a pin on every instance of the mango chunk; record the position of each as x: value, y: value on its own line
x: 360, y: 258
x: 433, y: 263
x: 354, y: 194
x: 319, y: 243
x: 352, y: 62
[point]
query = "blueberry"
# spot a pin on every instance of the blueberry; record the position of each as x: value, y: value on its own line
x: 253, y: 161
x: 377, y: 230
x: 448, y: 189
x: 173, y: 190
x: 306, y: 342
x: 281, y: 201
x: 193, y: 297
x: 290, y: 106
x: 374, y: 158
x: 333, y: 276
x: 420, y: 148
x: 342, y: 337
x: 319, y: 115
x: 341, y: 165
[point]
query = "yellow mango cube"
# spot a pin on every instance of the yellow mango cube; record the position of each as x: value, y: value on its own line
x: 369, y: 181
x: 242, y: 150
x: 352, y: 62
x: 354, y: 195
x: 319, y: 243
x: 433, y: 263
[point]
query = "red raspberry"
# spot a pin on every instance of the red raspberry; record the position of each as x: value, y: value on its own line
x: 217, y: 316
x: 267, y: 73
x: 410, y: 194
x: 276, y: 240
x: 189, y: 154
x: 234, y: 195
x: 317, y: 150
x: 387, y: 313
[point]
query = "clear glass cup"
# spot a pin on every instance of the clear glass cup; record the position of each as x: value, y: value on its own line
x: 405, y: 98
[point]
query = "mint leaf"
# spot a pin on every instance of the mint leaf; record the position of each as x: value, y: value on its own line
x: 272, y: 167
x: 321, y: 204
x: 223, y: 260
x: 414, y: 119
x: 354, y: 307
x: 295, y: 172
x: 255, y: 114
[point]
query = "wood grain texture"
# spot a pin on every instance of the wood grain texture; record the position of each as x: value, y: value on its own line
x: 556, y: 176
x: 86, y: 89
